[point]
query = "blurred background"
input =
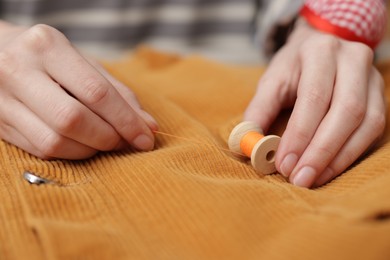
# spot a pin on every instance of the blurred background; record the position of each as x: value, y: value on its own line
x: 383, y: 51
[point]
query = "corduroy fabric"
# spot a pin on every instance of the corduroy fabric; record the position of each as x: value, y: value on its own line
x: 189, y: 201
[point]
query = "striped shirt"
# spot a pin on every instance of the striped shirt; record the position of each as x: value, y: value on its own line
x: 228, y: 30
x: 220, y: 29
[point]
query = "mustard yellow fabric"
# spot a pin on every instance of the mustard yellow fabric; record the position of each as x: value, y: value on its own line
x: 186, y: 200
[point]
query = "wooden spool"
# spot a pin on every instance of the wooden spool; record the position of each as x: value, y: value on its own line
x: 261, y: 152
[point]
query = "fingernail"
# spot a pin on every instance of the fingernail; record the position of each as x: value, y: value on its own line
x: 305, y: 177
x: 143, y: 142
x: 151, y: 122
x: 288, y: 164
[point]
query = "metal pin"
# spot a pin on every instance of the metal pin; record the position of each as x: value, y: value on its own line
x: 34, y: 179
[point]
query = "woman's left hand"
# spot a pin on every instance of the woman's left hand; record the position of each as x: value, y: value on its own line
x: 337, y: 99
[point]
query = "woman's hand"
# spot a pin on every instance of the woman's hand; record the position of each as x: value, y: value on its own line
x: 337, y: 100
x: 56, y: 104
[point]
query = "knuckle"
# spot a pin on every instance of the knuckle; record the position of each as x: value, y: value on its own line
x: 350, y: 156
x: 41, y: 37
x: 51, y: 145
x: 7, y: 65
x: 279, y: 87
x: 266, y: 80
x: 377, y: 121
x: 67, y: 118
x: 323, y: 42
x: 361, y: 50
x: 354, y: 108
x: 315, y: 98
x: 95, y: 91
x: 111, y: 143
x: 129, y: 125
x: 329, y: 42
x: 325, y: 151
x: 301, y: 135
x: 279, y: 82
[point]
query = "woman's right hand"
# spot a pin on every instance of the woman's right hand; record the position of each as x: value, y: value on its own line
x: 54, y: 103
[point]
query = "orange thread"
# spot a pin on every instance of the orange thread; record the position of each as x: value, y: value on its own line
x: 195, y: 142
x: 249, y: 141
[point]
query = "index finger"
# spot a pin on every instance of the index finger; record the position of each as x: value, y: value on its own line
x: 313, y: 98
x: 275, y: 90
x: 90, y: 87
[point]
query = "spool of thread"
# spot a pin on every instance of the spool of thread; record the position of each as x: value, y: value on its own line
x: 249, y: 139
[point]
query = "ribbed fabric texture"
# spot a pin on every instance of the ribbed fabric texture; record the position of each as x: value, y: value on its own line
x: 185, y: 200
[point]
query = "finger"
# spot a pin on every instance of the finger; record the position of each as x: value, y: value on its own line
x: 12, y: 136
x: 29, y: 133
x: 63, y: 114
x: 370, y: 130
x: 9, y: 133
x: 313, y: 98
x: 275, y: 90
x: 345, y: 115
x: 98, y: 94
x: 130, y: 98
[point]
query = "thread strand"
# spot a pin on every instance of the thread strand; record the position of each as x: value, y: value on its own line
x: 249, y: 141
x: 196, y: 142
